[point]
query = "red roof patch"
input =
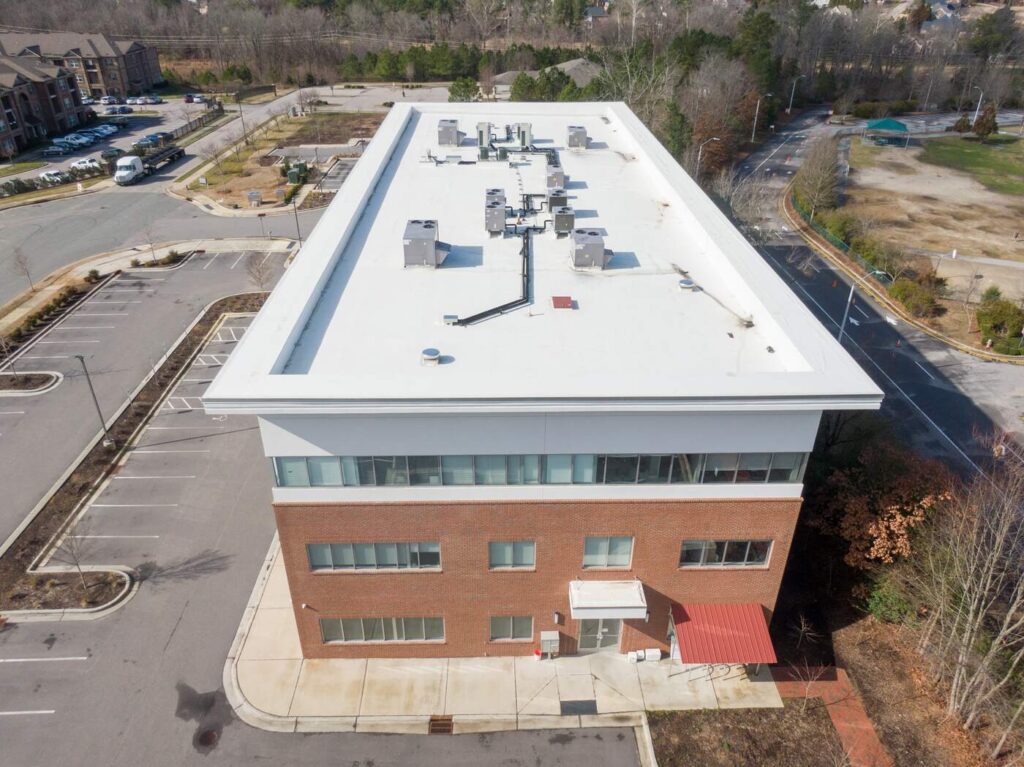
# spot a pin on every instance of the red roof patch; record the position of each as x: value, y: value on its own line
x: 562, y: 302
x: 728, y: 633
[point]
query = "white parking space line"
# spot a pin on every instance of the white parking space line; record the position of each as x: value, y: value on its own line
x: 240, y: 257
x: 28, y: 713
x: 139, y: 289
x: 116, y: 536
x: 923, y: 369
x: 43, y: 660
x: 864, y: 314
x: 102, y: 314
x: 197, y: 380
x: 165, y: 428
x: 143, y: 277
x: 46, y: 357
x: 12, y: 412
x: 182, y: 476
x: 208, y: 263
x: 152, y: 452
x: 85, y: 327
x: 133, y: 505
x: 71, y: 341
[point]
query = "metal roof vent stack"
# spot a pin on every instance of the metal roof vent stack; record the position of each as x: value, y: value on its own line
x: 556, y: 177
x: 421, y: 245
x: 688, y: 285
x: 483, y: 135
x: 430, y: 356
x: 448, y: 132
x: 577, y: 137
x: 524, y: 134
x: 557, y: 198
x: 563, y: 220
x: 588, y: 249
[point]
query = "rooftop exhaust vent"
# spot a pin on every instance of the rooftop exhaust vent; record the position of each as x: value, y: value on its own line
x: 686, y: 284
x: 557, y: 198
x: 555, y: 178
x: 563, y: 219
x: 448, y: 132
x: 430, y: 356
x: 588, y: 249
x: 577, y: 137
x: 421, y: 245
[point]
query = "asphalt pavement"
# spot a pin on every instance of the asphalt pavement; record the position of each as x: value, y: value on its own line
x: 190, y: 509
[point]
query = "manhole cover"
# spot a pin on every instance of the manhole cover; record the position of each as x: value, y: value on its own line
x: 576, y: 707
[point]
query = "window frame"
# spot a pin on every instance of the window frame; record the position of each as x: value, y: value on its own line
x: 708, y: 546
x: 372, y: 546
x: 513, y: 543
x: 607, y: 552
x: 387, y: 624
x: 511, y: 629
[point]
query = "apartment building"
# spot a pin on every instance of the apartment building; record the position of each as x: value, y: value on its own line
x: 101, y: 65
x: 36, y: 99
x: 525, y: 386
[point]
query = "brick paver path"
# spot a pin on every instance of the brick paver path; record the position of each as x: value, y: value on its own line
x: 844, y: 707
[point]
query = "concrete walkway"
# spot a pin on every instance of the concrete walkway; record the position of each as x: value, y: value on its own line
x: 845, y: 709
x: 268, y: 673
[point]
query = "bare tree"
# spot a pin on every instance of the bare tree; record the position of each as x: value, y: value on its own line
x: 817, y: 181
x: 74, y: 548
x: 257, y: 268
x: 5, y: 352
x: 22, y: 265
x: 211, y: 151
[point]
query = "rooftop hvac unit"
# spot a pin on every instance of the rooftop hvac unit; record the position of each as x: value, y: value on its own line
x: 524, y: 134
x: 557, y: 198
x: 421, y: 244
x: 556, y: 178
x: 577, y: 137
x: 564, y: 219
x: 448, y: 132
x: 483, y: 134
x: 494, y: 215
x: 495, y: 193
x: 588, y: 249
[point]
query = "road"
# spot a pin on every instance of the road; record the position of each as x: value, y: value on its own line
x: 190, y: 510
x: 944, y: 401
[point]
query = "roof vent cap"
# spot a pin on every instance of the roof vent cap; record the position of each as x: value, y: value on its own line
x: 430, y: 356
x: 687, y: 284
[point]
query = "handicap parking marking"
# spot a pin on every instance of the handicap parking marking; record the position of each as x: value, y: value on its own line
x: 182, y: 404
x: 210, y: 360
x: 229, y: 334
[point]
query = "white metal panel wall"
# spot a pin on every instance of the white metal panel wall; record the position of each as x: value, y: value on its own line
x: 540, y: 433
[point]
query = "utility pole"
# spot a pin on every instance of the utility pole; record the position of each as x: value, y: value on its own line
x: 792, y: 93
x: 107, y: 441
x: 700, y: 152
x: 298, y: 231
x: 241, y: 115
x: 757, y: 110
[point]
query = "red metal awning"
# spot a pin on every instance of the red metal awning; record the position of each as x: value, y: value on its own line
x: 728, y: 633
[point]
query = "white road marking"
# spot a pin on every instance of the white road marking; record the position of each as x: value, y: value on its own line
x: 139, y: 289
x: 102, y: 314
x: 71, y: 341
x: 144, y: 277
x: 43, y: 660
x: 12, y: 412
x: 187, y: 427
x: 212, y: 259
x: 85, y: 327
x: 116, y: 536
x: 46, y: 357
x: 923, y: 369
x: 145, y: 452
x: 172, y: 476
x: 863, y: 313
x: 133, y: 505
x: 197, y: 380
x: 240, y: 257
x: 28, y: 713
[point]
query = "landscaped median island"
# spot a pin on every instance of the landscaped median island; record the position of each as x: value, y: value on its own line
x: 22, y: 585
x: 907, y: 212
x: 25, y: 383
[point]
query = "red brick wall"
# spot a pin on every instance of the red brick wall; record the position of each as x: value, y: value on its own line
x: 467, y: 594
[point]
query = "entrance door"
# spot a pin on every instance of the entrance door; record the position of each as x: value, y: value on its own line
x: 599, y: 634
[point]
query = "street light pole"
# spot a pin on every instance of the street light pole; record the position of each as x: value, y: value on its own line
x: 700, y: 152
x: 757, y: 110
x: 263, y: 230
x: 792, y: 93
x: 981, y: 95
x: 298, y: 231
x: 107, y: 441
x: 849, y: 301
x: 241, y: 115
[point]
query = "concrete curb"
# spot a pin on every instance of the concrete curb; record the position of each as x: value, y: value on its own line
x: 817, y: 243
x: 59, y: 196
x: 58, y: 378
x: 401, y: 725
x: 128, y: 591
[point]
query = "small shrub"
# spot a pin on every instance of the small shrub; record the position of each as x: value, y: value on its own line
x: 992, y: 293
x: 1001, y: 322
x: 93, y: 276
x: 839, y: 223
x: 919, y: 300
x: 136, y: 263
x: 888, y: 604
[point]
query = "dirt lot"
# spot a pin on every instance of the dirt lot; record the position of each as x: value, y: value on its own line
x: 793, y: 736
x: 250, y: 168
x: 903, y: 705
x: 918, y: 206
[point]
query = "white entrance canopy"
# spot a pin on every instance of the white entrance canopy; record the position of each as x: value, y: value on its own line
x: 607, y: 599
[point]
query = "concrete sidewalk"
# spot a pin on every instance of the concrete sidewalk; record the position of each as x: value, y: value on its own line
x: 272, y: 686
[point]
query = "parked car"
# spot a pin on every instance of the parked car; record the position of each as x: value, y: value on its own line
x: 110, y: 111
x: 52, y: 177
x: 86, y: 163
x: 125, y: 110
x: 88, y: 101
x: 154, y: 100
x: 84, y: 139
x: 111, y: 154
x: 109, y: 100
x: 120, y: 121
x: 56, y: 150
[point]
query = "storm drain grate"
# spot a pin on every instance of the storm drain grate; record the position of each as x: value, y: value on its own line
x: 577, y: 707
x: 440, y: 725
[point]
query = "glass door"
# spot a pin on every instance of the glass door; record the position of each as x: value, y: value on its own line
x: 599, y: 634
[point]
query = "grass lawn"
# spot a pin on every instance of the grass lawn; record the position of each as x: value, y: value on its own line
x: 997, y: 163
x: 863, y: 155
x: 19, y: 167
x: 792, y: 736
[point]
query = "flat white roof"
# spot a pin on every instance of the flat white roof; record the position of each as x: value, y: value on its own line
x: 607, y: 599
x: 344, y: 329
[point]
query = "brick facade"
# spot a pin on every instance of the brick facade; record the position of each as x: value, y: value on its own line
x: 467, y: 594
